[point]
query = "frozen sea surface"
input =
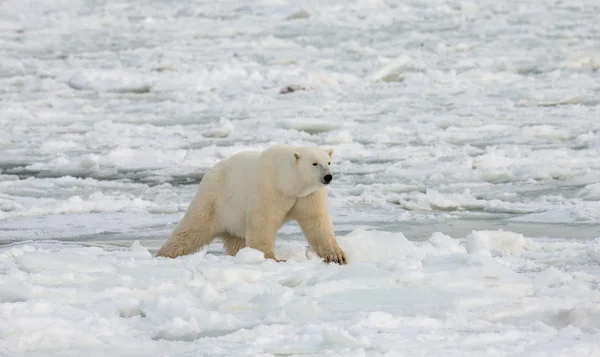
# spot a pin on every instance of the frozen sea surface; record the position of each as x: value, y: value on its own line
x: 467, y: 175
x: 490, y: 293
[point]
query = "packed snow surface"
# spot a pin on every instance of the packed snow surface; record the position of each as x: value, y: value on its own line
x: 492, y: 293
x: 466, y: 175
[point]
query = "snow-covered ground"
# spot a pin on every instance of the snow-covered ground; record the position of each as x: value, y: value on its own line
x: 490, y: 294
x: 466, y: 191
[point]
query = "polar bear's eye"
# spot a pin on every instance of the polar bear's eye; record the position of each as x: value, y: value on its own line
x: 329, y: 163
x: 314, y: 164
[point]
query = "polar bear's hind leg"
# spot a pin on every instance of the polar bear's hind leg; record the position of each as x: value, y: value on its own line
x: 196, y: 230
x: 232, y: 244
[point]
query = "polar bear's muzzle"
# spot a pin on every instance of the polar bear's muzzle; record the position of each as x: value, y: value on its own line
x: 326, y: 179
x: 324, y: 174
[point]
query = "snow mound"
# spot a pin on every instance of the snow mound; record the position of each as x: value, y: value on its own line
x: 311, y: 126
x: 222, y: 129
x: 110, y: 81
x: 590, y: 192
x: 392, y: 71
x: 593, y: 251
x: 11, y: 67
x: 364, y: 246
x: 495, y: 242
x: 249, y: 256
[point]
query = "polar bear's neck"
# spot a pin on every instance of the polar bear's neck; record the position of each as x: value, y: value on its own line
x: 308, y: 190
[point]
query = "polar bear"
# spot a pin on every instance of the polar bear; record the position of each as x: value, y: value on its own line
x: 245, y: 199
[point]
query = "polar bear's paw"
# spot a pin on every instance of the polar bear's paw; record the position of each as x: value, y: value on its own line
x: 334, y: 255
x: 272, y: 256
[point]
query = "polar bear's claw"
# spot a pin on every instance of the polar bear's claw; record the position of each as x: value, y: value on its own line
x: 336, y: 257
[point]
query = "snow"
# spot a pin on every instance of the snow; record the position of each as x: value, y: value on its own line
x: 109, y: 81
x: 396, y: 297
x: 466, y: 155
x: 594, y: 250
x: 495, y: 242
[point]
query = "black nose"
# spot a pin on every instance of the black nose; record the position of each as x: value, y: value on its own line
x: 328, y: 178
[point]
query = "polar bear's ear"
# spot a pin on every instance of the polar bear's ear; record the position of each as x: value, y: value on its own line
x: 329, y: 152
x: 296, y: 155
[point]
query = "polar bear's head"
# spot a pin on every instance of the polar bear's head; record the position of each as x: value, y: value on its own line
x: 314, y: 165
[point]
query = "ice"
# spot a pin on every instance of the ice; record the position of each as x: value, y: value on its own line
x: 546, y: 131
x: 495, y: 242
x: 387, y: 246
x: 299, y: 15
x: 10, y: 67
x: 109, y: 81
x: 249, y: 255
x: 580, y: 212
x: 583, y: 61
x: 466, y: 192
x: 590, y: 192
x: 550, y: 277
x: 127, y: 302
x: 594, y: 250
x: 392, y: 71
x: 312, y: 127
x: 223, y: 129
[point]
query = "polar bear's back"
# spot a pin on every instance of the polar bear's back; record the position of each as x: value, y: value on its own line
x: 240, y: 168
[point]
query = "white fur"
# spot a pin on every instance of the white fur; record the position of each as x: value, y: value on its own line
x: 246, y: 198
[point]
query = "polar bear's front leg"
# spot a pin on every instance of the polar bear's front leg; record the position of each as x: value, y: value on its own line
x: 261, y: 236
x: 263, y: 220
x: 312, y: 214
